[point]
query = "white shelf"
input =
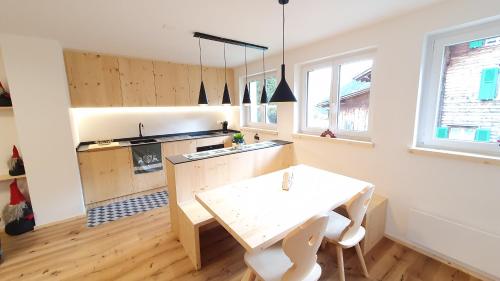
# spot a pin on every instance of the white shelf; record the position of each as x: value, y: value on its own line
x: 9, y: 177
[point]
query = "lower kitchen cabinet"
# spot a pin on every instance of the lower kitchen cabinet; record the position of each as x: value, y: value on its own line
x: 106, y: 174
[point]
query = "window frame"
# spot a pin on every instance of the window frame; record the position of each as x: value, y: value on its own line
x: 246, y: 109
x: 335, y: 62
x: 431, y: 77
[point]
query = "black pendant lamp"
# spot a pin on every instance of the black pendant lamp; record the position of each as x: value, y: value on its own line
x: 226, y: 99
x: 283, y: 92
x: 246, y: 94
x: 202, y: 97
x: 263, y: 97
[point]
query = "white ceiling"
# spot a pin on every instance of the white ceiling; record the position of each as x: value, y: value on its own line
x: 162, y: 29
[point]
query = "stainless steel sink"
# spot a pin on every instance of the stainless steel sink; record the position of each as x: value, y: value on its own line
x: 143, y: 141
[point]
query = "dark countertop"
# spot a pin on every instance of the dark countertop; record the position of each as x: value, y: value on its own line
x: 179, y: 159
x: 125, y: 142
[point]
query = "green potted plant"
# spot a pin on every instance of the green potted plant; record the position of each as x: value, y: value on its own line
x: 238, y: 139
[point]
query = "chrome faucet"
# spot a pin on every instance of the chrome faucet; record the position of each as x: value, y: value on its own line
x: 140, y: 129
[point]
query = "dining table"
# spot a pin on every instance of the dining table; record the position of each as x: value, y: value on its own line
x: 258, y: 212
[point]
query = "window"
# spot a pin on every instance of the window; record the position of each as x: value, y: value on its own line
x: 460, y: 101
x: 257, y: 114
x: 337, y: 96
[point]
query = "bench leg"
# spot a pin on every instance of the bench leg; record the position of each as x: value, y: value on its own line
x: 249, y: 275
x: 189, y: 236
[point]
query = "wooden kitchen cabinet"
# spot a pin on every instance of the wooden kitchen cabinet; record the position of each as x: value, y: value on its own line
x: 178, y: 147
x: 137, y: 82
x: 147, y: 181
x: 93, y: 79
x: 172, y: 84
x: 210, y: 80
x: 97, y: 80
x: 106, y: 174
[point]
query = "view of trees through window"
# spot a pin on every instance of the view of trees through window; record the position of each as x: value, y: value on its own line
x: 262, y: 113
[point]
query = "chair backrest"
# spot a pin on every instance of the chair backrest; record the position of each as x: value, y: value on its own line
x: 301, y: 246
x: 356, y: 209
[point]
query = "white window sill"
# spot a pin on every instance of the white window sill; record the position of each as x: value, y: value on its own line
x: 473, y: 157
x: 260, y: 130
x: 333, y: 140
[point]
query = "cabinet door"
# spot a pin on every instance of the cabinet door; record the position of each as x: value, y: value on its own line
x: 105, y: 174
x: 194, y: 83
x: 178, y: 147
x: 233, y: 91
x: 137, y: 82
x: 172, y: 84
x: 210, y: 79
x: 93, y: 79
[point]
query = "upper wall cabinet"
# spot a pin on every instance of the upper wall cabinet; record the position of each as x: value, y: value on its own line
x: 93, y: 79
x: 102, y: 81
x: 137, y: 82
x: 172, y: 85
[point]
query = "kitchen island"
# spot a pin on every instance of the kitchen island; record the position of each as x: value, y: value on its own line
x: 189, y: 174
x: 108, y: 172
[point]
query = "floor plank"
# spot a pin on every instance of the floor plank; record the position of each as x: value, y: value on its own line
x: 142, y: 247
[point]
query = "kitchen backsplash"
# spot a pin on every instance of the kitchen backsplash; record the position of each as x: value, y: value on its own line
x: 113, y: 123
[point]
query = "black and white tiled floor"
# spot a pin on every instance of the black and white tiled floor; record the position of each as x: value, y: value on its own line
x: 128, y: 207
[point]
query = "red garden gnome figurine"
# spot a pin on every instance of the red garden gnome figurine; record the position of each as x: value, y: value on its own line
x: 18, y: 215
x: 16, y: 164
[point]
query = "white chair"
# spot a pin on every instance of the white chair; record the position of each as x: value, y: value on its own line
x: 346, y: 233
x: 295, y: 260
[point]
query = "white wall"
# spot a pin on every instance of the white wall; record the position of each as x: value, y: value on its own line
x: 37, y: 81
x: 112, y: 123
x: 459, y: 196
x: 8, y: 139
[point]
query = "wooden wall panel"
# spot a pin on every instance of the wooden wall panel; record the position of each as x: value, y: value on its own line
x: 93, y: 79
x: 137, y: 82
x: 172, y: 84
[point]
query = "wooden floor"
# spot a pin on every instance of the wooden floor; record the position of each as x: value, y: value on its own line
x: 142, y: 248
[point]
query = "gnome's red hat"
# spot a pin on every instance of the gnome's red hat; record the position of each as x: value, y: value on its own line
x: 15, y: 152
x: 14, y: 210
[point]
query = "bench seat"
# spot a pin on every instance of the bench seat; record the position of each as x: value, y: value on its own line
x: 196, y: 213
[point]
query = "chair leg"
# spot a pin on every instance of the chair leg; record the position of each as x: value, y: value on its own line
x: 249, y: 275
x: 361, y: 260
x: 340, y: 261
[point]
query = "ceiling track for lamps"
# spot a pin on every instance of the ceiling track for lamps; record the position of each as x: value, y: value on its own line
x: 226, y: 100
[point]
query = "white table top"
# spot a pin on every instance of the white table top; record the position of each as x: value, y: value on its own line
x: 258, y: 213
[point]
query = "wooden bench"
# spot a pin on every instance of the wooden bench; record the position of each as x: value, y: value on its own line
x: 192, y: 216
x: 186, y: 179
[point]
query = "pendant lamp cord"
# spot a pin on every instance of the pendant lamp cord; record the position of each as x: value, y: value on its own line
x: 201, y: 64
x: 264, y: 66
x: 283, y: 33
x: 246, y: 67
x: 225, y: 78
